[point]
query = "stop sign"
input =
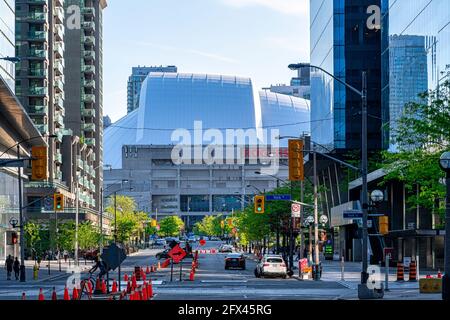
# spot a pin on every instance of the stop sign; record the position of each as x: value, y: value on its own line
x: 202, y: 242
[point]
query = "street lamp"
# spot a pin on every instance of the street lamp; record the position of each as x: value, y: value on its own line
x: 363, y: 291
x: 444, y: 162
x: 11, y: 59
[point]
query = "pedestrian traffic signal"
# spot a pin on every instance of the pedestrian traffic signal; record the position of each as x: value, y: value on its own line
x: 260, y: 204
x: 296, y: 161
x: 39, y: 164
x: 15, y: 238
x: 12, y: 238
x: 58, y: 200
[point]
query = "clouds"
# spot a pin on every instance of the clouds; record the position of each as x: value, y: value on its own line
x: 289, y: 7
x: 200, y: 53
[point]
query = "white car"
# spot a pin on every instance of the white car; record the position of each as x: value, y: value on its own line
x: 271, y: 266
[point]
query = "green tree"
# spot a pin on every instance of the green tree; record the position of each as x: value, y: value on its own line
x: 171, y: 226
x: 88, y: 236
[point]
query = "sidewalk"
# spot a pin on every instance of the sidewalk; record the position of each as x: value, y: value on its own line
x: 43, y: 276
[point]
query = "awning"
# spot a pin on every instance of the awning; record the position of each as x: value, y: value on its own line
x: 416, y: 233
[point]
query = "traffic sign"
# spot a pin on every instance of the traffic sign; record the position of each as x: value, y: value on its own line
x: 48, y: 203
x: 323, y: 219
x: 279, y: 197
x: 202, y: 242
x: 353, y: 214
x: 296, y: 209
x: 177, y: 254
x: 388, y: 252
x: 113, y: 255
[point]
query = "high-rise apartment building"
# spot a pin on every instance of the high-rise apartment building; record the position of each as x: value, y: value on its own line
x: 84, y: 100
x: 40, y: 80
x: 59, y: 82
x: 136, y: 79
x: 7, y: 41
x: 342, y: 44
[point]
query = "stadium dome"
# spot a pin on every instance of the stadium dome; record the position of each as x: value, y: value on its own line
x: 171, y: 101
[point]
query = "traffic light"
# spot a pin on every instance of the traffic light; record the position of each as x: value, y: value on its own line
x: 154, y: 223
x: 222, y: 224
x: 39, y: 164
x: 296, y: 162
x: 384, y: 225
x: 58, y: 202
x: 260, y: 204
x: 12, y: 238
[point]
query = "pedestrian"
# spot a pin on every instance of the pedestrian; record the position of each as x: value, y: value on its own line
x: 66, y: 256
x: 9, y: 266
x: 16, y: 268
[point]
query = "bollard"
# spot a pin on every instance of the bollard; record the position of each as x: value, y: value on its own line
x: 413, y: 272
x: 342, y: 268
x: 386, y: 280
x: 35, y: 272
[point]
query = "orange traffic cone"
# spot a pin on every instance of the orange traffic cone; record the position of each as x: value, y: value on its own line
x: 133, y: 282
x: 41, y: 295
x: 103, y: 287
x: 75, y: 294
x: 192, y: 275
x: 114, y: 287
x: 132, y: 296
x: 144, y: 277
x: 54, y: 296
x: 144, y: 291
x: 98, y: 286
x: 159, y: 265
x: 89, y: 284
x: 439, y: 274
x: 150, y: 290
x: 24, y: 296
x: 147, y: 271
x: 128, y: 287
x: 66, y: 294
x: 125, y: 277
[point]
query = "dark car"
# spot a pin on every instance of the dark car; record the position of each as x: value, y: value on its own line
x: 235, y: 261
x: 163, y: 254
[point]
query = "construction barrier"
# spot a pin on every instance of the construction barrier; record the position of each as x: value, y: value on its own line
x: 413, y: 272
x: 430, y: 285
x: 400, y: 272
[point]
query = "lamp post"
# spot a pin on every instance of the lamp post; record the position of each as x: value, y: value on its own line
x: 363, y: 291
x: 444, y: 162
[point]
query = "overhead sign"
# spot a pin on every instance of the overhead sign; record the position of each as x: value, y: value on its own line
x: 113, y: 255
x: 296, y: 210
x: 279, y: 197
x: 353, y: 214
x: 177, y: 254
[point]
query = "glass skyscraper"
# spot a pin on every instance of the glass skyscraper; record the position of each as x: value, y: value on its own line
x: 415, y: 53
x: 342, y: 44
x: 7, y: 41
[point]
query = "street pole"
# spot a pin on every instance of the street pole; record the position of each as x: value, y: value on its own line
x: 446, y: 277
x: 21, y: 221
x: 302, y: 199
x: 101, y: 221
x: 365, y: 200
x: 115, y: 235
x: 316, y: 218
x: 76, y: 224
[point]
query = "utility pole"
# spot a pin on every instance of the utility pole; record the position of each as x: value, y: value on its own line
x: 316, y: 217
x: 21, y: 221
x: 365, y: 200
x: 76, y: 224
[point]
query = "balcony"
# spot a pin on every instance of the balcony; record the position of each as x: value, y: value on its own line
x: 58, y: 175
x: 37, y: 35
x: 89, y: 40
x: 58, y: 48
x: 38, y: 110
x: 88, y: 112
x: 89, y: 54
x: 59, y: 32
x: 37, y: 16
x: 88, y: 12
x: 88, y: 127
x: 37, y: 53
x: 58, y: 13
x: 88, y: 69
x: 59, y: 120
x: 59, y: 102
x: 88, y: 98
x: 42, y: 128
x: 59, y: 67
x: 89, y: 83
x: 59, y: 135
x: 58, y: 158
x: 38, y: 72
x: 89, y: 26
x: 59, y: 85
x: 90, y: 142
x: 80, y: 163
x: 38, y: 91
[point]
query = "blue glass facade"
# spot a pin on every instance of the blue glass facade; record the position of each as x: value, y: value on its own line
x: 7, y: 41
x: 342, y: 44
x: 416, y: 52
x: 173, y: 100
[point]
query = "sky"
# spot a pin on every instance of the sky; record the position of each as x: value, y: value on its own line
x: 250, y: 38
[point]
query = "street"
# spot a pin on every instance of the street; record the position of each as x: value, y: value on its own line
x: 213, y: 282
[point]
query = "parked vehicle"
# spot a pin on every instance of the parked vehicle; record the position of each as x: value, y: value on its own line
x: 160, y: 242
x: 271, y: 266
x: 162, y: 255
x: 225, y: 248
x: 192, y: 239
x: 235, y: 261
